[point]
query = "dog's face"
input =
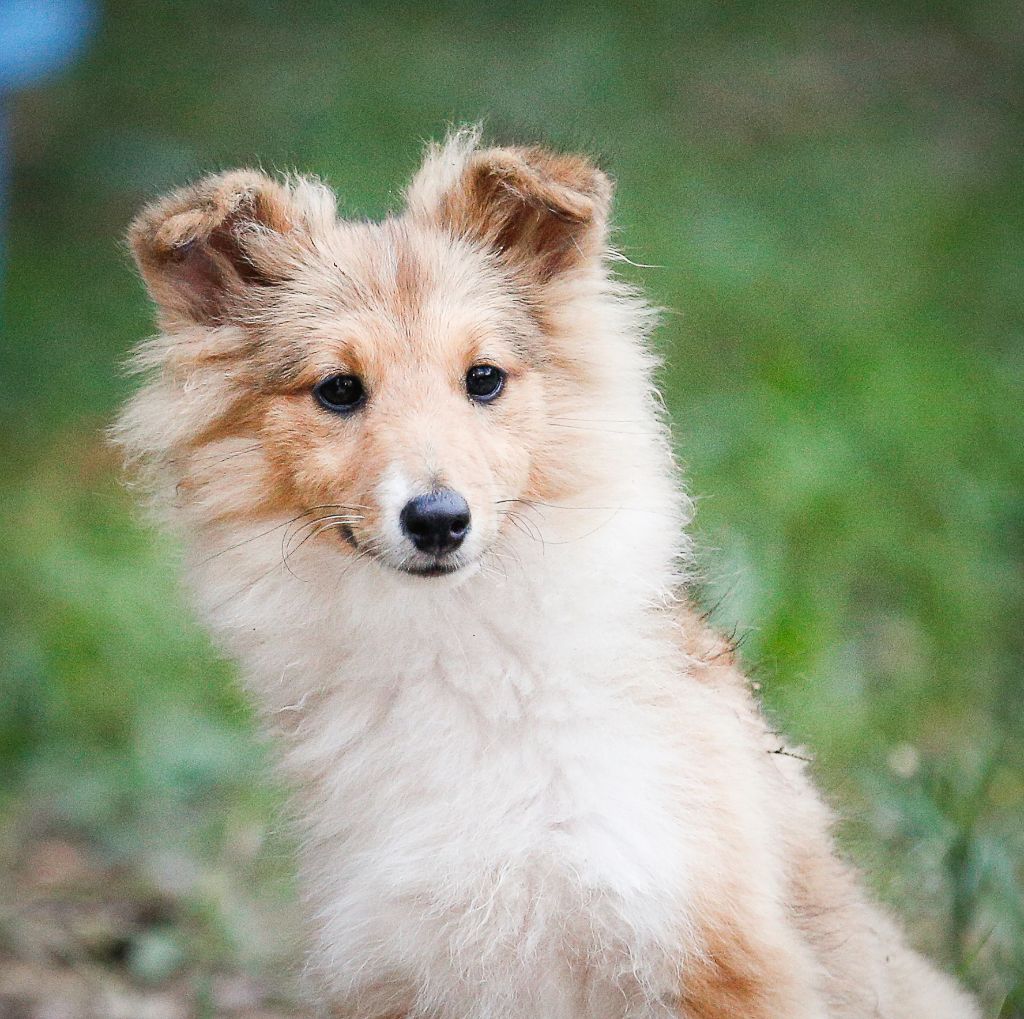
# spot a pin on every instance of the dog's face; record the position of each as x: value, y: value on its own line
x: 391, y: 383
x: 411, y: 404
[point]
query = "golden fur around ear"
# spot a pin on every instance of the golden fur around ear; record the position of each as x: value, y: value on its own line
x: 204, y: 247
x: 541, y: 211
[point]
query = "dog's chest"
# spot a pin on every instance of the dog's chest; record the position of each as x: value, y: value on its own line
x: 503, y: 830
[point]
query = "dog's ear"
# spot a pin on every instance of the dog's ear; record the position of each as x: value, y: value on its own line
x: 205, y: 249
x: 543, y: 213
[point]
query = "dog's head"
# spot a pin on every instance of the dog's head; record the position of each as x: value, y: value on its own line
x: 404, y: 386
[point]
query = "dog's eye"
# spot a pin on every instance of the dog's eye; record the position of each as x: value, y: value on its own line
x: 340, y: 393
x: 484, y: 382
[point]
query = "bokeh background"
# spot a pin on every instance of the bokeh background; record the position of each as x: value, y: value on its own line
x: 827, y: 201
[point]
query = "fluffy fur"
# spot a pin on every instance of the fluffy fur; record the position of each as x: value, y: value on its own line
x: 538, y: 786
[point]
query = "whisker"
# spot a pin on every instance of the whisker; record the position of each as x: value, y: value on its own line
x: 330, y: 519
x: 613, y: 511
x: 603, y: 431
x: 523, y: 524
x: 520, y: 502
x: 286, y: 552
x: 509, y: 555
x: 246, y: 587
x: 533, y: 504
x: 270, y: 530
x: 213, y: 458
x: 490, y: 571
x: 245, y: 541
x: 598, y: 421
x: 317, y: 527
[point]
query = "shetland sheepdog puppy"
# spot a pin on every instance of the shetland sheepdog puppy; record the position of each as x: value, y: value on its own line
x: 426, y: 489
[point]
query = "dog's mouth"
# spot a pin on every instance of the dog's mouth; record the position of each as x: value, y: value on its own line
x: 423, y: 565
x: 439, y: 568
x: 429, y: 567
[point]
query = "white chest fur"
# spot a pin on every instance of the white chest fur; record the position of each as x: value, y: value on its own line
x: 493, y: 821
x: 503, y: 856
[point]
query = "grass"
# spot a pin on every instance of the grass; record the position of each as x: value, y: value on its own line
x: 833, y: 199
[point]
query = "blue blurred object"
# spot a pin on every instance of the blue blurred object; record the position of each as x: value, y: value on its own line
x: 40, y: 36
x: 37, y: 37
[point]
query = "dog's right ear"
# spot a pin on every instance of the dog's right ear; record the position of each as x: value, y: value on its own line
x: 542, y: 213
x: 207, y: 250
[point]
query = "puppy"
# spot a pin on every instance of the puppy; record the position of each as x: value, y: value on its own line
x: 425, y: 485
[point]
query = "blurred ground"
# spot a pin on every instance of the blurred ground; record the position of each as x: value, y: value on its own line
x: 831, y: 198
x: 86, y: 938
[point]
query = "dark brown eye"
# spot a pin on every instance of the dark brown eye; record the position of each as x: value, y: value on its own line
x: 340, y: 393
x: 484, y: 382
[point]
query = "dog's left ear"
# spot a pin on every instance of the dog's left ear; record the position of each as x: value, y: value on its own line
x: 543, y: 213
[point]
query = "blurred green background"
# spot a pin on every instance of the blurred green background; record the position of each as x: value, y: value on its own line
x: 829, y: 197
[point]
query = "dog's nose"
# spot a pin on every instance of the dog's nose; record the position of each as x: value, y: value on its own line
x: 436, y: 522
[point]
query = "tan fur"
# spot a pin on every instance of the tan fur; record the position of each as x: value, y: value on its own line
x: 681, y: 865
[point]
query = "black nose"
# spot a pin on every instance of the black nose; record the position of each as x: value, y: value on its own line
x: 436, y: 522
